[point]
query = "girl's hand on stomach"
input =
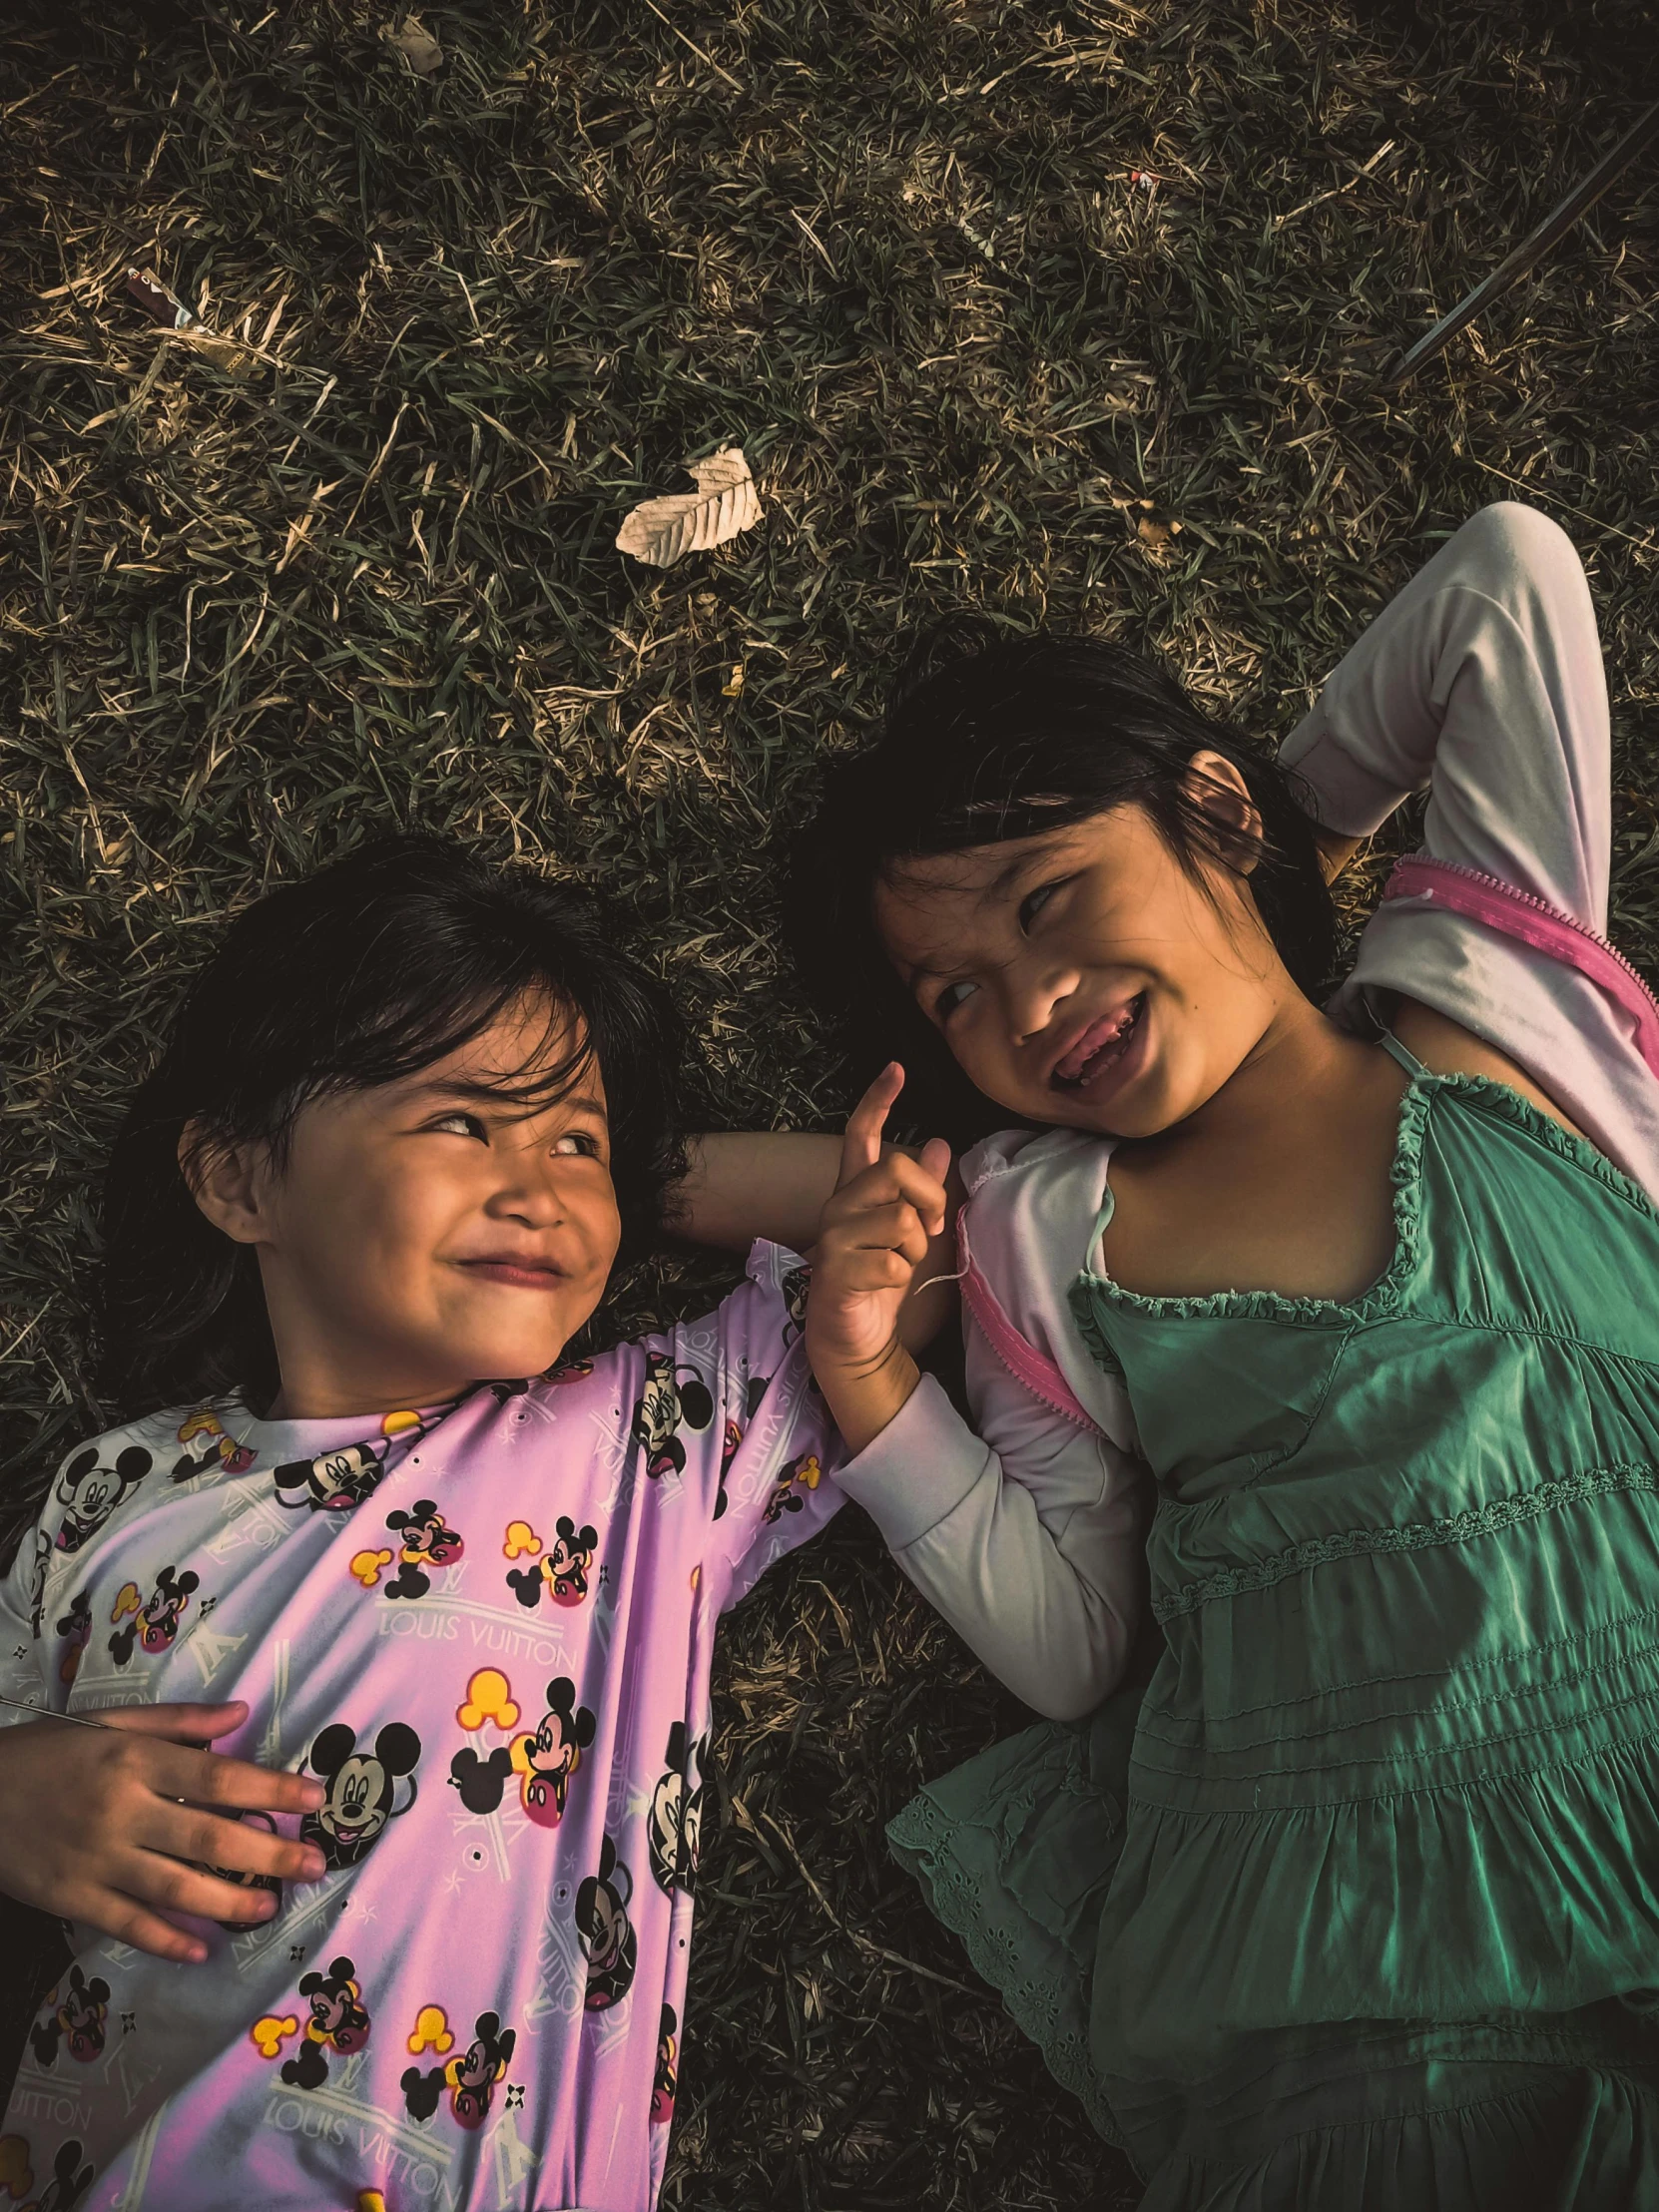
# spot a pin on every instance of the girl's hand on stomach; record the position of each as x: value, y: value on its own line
x: 102, y: 1825
x: 874, y: 1238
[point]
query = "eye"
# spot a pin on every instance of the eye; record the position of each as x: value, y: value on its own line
x: 459, y: 1124
x: 952, y: 996
x: 577, y: 1144
x: 1032, y: 906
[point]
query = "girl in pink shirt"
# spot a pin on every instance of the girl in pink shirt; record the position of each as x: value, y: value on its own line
x: 422, y: 1940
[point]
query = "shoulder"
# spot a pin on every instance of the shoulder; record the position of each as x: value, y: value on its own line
x: 769, y: 1304
x: 124, y: 1456
x: 1032, y: 1198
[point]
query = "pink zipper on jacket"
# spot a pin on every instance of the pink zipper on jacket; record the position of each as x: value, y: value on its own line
x: 1518, y: 913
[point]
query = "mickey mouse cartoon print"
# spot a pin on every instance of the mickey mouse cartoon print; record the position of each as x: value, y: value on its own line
x: 470, y: 2077
x: 76, y: 1630
x: 156, y: 1618
x: 674, y: 1832
x: 563, y: 1571
x: 218, y: 1452
x: 670, y: 1400
x: 332, y: 1482
x: 362, y: 1789
x: 76, y: 2014
x: 754, y: 1390
x: 548, y: 1759
x: 604, y: 1932
x: 91, y: 1493
x: 428, y: 1541
x: 338, y: 2021
x: 70, y: 2179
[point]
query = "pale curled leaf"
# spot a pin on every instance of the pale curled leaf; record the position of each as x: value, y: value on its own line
x: 418, y: 45
x: 663, y: 532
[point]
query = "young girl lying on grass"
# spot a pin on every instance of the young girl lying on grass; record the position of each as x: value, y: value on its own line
x: 420, y: 1108
x: 1356, y: 1905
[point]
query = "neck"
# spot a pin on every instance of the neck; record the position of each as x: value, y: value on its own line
x: 332, y: 1373
x: 1301, y: 1061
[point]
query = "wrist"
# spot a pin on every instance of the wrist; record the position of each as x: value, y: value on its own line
x: 863, y: 1395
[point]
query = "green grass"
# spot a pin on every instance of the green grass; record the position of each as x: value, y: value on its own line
x: 367, y: 579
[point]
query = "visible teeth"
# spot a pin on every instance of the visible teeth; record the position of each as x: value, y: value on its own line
x: 1111, y: 1044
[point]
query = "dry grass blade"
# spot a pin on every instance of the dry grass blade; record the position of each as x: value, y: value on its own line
x: 725, y: 503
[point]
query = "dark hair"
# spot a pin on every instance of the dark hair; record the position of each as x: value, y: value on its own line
x: 1008, y: 740
x: 367, y: 971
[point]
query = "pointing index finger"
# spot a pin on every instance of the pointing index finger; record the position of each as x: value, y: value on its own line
x: 861, y: 1146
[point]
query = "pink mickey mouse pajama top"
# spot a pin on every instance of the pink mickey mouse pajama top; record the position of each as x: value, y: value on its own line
x: 488, y: 1629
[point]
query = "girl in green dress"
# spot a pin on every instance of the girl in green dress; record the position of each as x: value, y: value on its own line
x: 1348, y: 1893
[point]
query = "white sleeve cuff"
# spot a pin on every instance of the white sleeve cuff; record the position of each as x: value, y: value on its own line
x: 1348, y: 798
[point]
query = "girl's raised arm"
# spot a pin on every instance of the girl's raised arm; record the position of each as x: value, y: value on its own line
x: 1026, y: 1538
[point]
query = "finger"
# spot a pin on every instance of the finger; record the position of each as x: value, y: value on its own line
x: 128, y: 1921
x: 874, y: 1267
x: 232, y: 1785
x: 165, y: 1884
x: 896, y: 1176
x: 861, y: 1146
x: 239, y: 1847
x: 185, y: 1724
x: 894, y: 1228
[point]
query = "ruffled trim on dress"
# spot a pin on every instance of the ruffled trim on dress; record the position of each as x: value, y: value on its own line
x: 1014, y: 1852
x: 1383, y: 1295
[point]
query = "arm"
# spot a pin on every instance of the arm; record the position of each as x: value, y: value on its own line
x: 1031, y: 1551
x: 776, y: 1185
x: 1481, y: 682
x: 755, y: 1183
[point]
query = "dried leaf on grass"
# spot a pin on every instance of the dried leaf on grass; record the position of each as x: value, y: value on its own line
x: 159, y: 301
x: 663, y: 532
x: 416, y: 45
x: 163, y: 305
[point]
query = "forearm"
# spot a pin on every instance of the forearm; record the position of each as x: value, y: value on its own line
x: 748, y: 1184
x: 1051, y: 1614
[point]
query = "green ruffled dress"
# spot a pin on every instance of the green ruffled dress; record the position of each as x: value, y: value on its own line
x: 1354, y: 1903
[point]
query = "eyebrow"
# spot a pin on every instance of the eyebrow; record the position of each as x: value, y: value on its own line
x: 582, y: 1102
x: 1004, y: 878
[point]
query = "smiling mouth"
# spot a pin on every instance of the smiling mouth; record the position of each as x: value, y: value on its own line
x: 1100, y: 1047
x: 519, y: 1274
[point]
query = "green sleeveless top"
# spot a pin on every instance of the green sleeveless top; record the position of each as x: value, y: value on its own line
x: 1398, y: 1761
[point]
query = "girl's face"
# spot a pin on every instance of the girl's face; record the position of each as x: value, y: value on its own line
x: 1083, y: 978
x: 429, y: 1234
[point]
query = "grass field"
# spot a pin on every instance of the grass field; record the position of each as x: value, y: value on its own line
x: 361, y: 575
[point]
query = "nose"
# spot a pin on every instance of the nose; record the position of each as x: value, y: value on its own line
x: 528, y: 1190
x: 1036, y: 989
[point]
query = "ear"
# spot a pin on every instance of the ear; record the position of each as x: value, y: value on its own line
x: 332, y: 1748
x: 397, y: 1747
x: 1217, y: 788
x: 230, y: 1183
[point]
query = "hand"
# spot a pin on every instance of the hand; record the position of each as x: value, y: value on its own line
x: 92, y: 1827
x: 873, y: 1238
